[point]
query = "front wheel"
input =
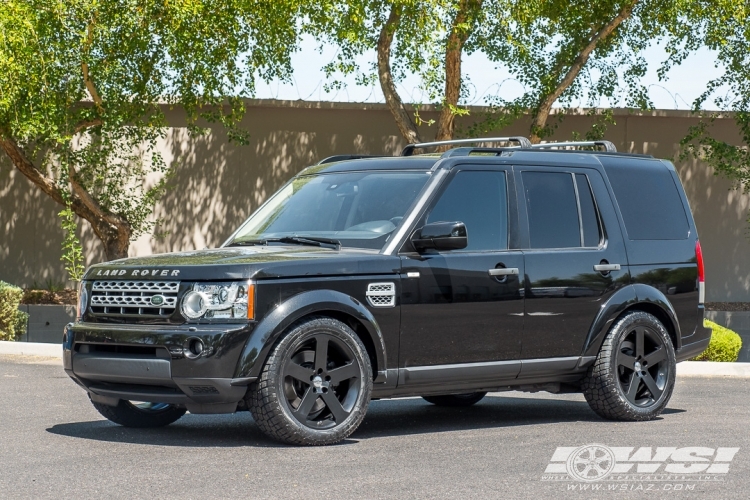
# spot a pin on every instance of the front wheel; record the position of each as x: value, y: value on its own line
x: 140, y: 415
x: 315, y: 386
x: 634, y: 373
x: 456, y: 400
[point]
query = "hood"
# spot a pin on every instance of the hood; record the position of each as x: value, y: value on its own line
x: 257, y: 262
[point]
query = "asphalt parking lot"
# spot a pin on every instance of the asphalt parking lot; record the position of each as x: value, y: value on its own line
x: 53, y: 444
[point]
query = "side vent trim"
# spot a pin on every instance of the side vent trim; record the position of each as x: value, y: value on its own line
x: 381, y: 294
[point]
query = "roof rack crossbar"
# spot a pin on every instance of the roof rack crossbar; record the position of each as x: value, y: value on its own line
x: 523, y: 142
x: 607, y: 145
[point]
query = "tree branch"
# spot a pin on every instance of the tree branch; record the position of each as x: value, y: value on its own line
x: 405, y: 125
x: 543, y: 110
x: 86, y: 125
x: 85, y: 68
x: 112, y: 229
x: 453, y: 52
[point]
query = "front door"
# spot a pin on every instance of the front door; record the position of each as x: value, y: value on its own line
x: 466, y: 306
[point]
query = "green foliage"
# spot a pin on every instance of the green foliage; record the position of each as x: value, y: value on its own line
x: 12, y: 321
x: 537, y: 41
x: 725, y: 344
x: 83, y: 85
x: 724, y: 27
x: 72, y: 250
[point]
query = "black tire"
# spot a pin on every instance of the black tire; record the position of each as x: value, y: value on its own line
x: 140, y: 415
x: 634, y: 374
x: 305, y: 398
x: 456, y: 400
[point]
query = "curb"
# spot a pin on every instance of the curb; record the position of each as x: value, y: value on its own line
x: 684, y: 369
x: 713, y: 369
x: 31, y: 349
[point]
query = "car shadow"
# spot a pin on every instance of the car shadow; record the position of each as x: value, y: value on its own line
x: 385, y: 418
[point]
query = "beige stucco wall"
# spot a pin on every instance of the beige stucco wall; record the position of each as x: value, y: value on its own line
x: 217, y: 185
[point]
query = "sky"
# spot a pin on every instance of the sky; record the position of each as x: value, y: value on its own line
x: 682, y: 85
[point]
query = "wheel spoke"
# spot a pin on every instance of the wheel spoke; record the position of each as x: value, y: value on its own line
x: 626, y: 361
x: 652, y: 387
x: 635, y: 381
x: 655, y: 357
x: 345, y: 372
x: 333, y: 404
x: 321, y: 352
x: 308, y: 400
x: 639, y: 341
x: 299, y: 372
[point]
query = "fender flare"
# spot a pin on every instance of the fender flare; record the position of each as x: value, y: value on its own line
x: 626, y: 298
x: 274, y: 324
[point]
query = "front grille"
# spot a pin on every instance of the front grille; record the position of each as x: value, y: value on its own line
x: 381, y: 294
x: 153, y: 299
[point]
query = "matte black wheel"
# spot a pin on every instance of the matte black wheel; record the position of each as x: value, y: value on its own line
x: 141, y: 415
x: 456, y: 399
x: 315, y: 386
x: 634, y: 374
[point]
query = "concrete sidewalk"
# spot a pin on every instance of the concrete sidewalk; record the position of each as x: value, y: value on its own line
x: 684, y: 369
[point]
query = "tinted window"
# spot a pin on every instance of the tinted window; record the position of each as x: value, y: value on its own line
x: 359, y: 209
x: 589, y: 219
x: 552, y: 209
x: 648, y: 199
x: 479, y: 200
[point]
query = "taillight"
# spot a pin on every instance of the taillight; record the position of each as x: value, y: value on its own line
x: 701, y: 273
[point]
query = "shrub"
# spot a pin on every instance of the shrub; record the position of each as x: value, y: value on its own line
x: 724, y: 346
x: 12, y: 321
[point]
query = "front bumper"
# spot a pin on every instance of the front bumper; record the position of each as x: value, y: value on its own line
x: 153, y: 363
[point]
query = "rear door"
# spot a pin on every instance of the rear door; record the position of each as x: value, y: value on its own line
x: 574, y: 257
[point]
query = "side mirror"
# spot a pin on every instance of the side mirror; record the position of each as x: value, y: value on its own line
x: 441, y: 236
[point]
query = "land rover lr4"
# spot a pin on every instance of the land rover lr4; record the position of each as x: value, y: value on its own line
x: 443, y: 276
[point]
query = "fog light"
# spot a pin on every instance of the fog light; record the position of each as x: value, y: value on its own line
x: 194, y: 347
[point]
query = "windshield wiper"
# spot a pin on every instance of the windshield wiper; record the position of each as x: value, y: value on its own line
x: 308, y: 240
x: 294, y: 240
x: 242, y: 243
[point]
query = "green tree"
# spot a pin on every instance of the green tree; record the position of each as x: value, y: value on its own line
x: 561, y: 51
x: 83, y: 85
x: 724, y: 27
x: 572, y: 53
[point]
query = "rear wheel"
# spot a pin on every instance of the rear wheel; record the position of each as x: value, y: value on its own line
x: 315, y: 386
x: 634, y: 373
x: 456, y: 399
x: 139, y: 414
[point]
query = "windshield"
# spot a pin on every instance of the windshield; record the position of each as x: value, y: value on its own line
x: 357, y: 209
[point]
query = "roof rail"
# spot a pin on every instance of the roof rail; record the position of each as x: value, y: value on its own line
x: 608, y: 146
x: 335, y: 158
x: 522, y: 143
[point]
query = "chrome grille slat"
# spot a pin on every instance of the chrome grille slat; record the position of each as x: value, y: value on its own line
x: 133, y: 298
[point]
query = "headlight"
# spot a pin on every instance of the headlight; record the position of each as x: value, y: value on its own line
x: 83, y: 301
x: 219, y: 301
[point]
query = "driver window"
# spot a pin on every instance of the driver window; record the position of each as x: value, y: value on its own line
x: 479, y: 200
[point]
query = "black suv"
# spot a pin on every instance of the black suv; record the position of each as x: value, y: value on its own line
x: 444, y: 276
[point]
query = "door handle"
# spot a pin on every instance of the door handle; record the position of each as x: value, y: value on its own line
x: 503, y: 271
x: 605, y: 268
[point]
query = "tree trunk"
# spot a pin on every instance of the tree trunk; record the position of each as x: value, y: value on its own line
x: 541, y: 114
x: 467, y: 10
x: 404, y: 122
x: 113, y: 230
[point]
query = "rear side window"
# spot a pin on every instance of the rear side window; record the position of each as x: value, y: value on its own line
x: 648, y: 199
x: 552, y: 208
x: 592, y: 235
x: 479, y: 200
